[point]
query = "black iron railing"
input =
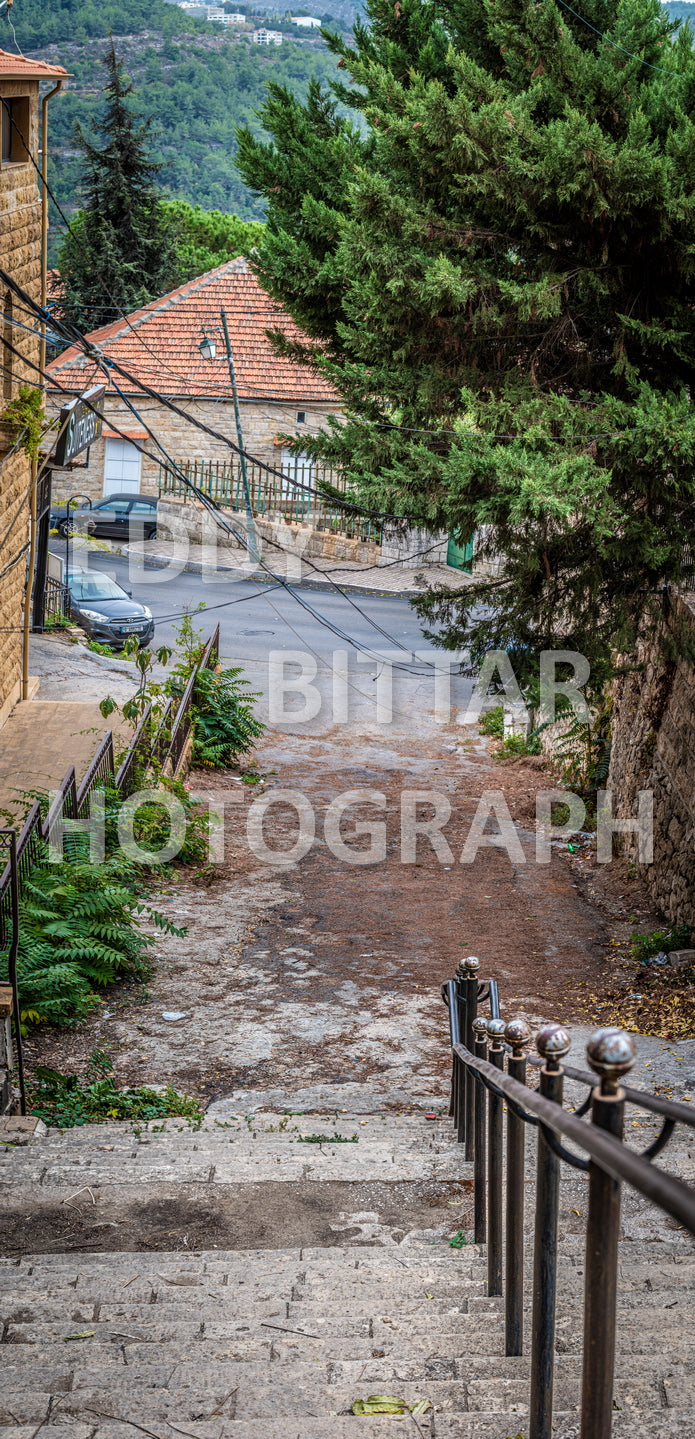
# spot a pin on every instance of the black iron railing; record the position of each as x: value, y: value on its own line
x: 481, y: 1089
x: 55, y: 606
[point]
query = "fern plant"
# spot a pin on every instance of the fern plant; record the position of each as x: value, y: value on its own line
x: 79, y: 929
x: 224, y: 723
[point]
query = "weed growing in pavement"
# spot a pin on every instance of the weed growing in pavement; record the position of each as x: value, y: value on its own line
x: 99, y: 649
x: 66, y: 1100
x: 660, y: 941
x: 459, y: 1240
x: 328, y: 1139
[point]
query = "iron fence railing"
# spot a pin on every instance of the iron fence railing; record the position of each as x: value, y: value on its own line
x: 480, y: 1092
x: 293, y: 494
x: 56, y: 603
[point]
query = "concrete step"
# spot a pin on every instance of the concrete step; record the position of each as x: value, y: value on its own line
x: 662, y: 1424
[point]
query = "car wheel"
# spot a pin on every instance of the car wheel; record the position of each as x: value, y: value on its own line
x: 151, y: 533
x: 65, y: 528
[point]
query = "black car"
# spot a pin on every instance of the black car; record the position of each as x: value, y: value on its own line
x: 111, y: 518
x: 107, y: 612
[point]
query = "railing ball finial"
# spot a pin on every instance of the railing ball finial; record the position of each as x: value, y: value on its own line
x: 471, y: 965
x: 518, y: 1034
x: 611, y: 1053
x: 480, y: 1027
x: 495, y: 1030
x: 553, y: 1043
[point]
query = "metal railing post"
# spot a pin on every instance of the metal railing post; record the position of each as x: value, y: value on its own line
x: 479, y: 1185
x: 517, y: 1034
x: 462, y: 996
x: 472, y: 967
x: 495, y: 1030
x: 552, y: 1044
x: 611, y: 1054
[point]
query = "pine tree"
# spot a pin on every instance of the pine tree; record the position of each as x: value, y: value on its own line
x: 122, y: 249
x: 496, y: 269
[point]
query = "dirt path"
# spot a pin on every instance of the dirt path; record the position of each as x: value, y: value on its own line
x: 317, y: 983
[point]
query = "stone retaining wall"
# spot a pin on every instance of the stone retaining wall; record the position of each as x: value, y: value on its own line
x: 654, y: 749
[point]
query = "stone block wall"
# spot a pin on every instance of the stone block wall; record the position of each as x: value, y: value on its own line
x: 20, y: 256
x: 261, y: 420
x: 653, y: 725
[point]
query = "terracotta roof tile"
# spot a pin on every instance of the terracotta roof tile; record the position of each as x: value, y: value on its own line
x: 20, y: 66
x: 159, y: 345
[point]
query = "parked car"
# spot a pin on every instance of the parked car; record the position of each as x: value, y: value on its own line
x: 106, y: 611
x: 110, y: 518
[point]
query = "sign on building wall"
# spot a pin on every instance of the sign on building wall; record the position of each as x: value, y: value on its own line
x: 81, y: 424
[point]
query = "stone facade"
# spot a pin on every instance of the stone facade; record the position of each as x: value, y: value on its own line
x: 20, y: 257
x: 654, y: 749
x: 261, y: 420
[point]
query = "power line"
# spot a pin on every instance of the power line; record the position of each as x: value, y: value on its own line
x: 608, y: 40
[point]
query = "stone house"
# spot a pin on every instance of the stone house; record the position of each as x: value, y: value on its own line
x: 21, y: 259
x: 159, y: 346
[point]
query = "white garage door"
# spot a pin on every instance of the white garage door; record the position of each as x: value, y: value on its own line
x: 121, y: 468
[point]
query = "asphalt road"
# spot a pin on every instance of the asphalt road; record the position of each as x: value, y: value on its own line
x: 258, y: 620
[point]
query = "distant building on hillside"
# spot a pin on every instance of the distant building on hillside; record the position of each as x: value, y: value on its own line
x: 308, y: 21
x: 20, y: 350
x: 267, y: 37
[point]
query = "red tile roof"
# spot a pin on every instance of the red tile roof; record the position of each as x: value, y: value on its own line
x: 159, y: 345
x: 18, y: 66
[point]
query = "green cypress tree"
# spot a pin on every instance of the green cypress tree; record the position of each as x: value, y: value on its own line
x: 122, y: 249
x: 508, y: 243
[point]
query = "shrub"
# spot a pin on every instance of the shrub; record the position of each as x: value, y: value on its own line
x: 65, y: 1100
x: 224, y: 723
x: 79, y: 930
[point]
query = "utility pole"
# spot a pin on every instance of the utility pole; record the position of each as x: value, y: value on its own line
x: 250, y: 525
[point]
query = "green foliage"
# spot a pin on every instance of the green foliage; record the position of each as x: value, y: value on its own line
x: 584, y: 749
x: 43, y: 22
x: 492, y: 722
x: 459, y: 1240
x: 152, y: 826
x: 121, y: 251
x: 223, y: 719
x: 644, y: 946
x: 493, y: 264
x: 206, y: 238
x: 24, y: 417
x: 194, y: 90
x: 99, y: 649
x: 66, y: 1100
x: 79, y: 930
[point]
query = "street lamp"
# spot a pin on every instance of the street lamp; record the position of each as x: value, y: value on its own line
x: 68, y: 530
x: 208, y: 349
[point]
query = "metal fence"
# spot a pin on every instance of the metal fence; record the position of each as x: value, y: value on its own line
x: 479, y: 1094
x: 293, y: 494
x: 70, y: 802
x: 56, y: 603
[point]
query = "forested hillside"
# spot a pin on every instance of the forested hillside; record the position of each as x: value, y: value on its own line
x: 196, y: 89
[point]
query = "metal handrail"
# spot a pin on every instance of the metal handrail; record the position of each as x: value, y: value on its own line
x: 479, y: 1090
x: 670, y: 1108
x: 671, y: 1194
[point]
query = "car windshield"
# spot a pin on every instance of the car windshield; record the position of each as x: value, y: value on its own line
x: 95, y: 587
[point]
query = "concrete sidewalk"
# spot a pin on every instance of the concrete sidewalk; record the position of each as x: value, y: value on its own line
x: 390, y: 579
x: 42, y: 737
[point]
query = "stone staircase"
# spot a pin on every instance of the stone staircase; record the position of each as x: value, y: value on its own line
x: 277, y: 1342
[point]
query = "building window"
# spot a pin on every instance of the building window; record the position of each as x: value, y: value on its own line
x: 301, y: 417
x: 7, y: 356
x: 299, y: 470
x: 122, y: 462
x: 16, y: 117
